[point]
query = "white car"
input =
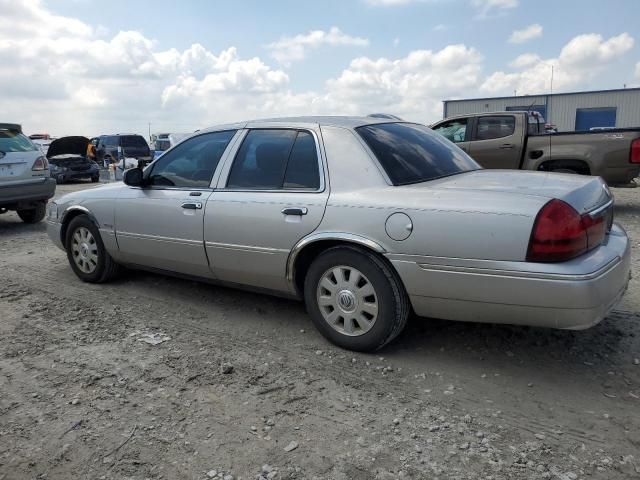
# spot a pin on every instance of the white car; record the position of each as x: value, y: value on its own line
x: 25, y: 184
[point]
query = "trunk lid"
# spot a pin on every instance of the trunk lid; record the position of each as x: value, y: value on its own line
x: 583, y: 193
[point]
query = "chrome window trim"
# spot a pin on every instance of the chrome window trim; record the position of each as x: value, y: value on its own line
x: 321, y: 172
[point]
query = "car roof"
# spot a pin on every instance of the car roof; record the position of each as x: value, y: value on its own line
x: 336, y: 121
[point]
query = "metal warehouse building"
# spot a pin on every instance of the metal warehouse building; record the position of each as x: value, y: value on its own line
x: 568, y: 111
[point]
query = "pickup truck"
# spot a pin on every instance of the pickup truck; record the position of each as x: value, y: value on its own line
x: 518, y: 140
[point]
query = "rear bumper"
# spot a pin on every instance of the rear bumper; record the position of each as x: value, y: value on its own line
x: 570, y: 295
x: 12, y: 196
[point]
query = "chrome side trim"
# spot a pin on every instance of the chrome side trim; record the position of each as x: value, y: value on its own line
x: 316, y: 237
x: 159, y: 238
x: 246, y: 248
x: 520, y: 273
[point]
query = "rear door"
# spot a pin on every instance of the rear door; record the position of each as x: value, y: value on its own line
x: 457, y: 130
x: 270, y: 196
x: 497, y: 141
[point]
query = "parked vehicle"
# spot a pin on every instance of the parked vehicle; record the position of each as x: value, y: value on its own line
x: 113, y: 148
x: 365, y: 219
x: 25, y: 185
x: 519, y: 140
x: 68, y: 160
x: 162, y: 142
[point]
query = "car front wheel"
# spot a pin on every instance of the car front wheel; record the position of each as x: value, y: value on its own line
x: 87, y: 256
x: 33, y: 215
x: 355, y: 299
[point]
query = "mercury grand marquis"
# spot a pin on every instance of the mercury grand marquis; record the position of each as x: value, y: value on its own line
x: 365, y: 219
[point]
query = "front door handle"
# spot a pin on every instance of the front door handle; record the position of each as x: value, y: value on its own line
x: 506, y: 145
x: 192, y: 205
x: 295, y: 211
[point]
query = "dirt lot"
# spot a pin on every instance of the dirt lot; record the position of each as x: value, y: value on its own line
x: 82, y: 396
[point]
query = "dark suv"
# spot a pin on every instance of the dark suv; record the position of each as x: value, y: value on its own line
x: 113, y: 148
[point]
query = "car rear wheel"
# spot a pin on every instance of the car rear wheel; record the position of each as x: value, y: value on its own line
x: 355, y: 299
x: 87, y: 256
x: 95, y: 179
x: 33, y: 215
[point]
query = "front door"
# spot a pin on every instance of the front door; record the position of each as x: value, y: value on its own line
x: 271, y: 196
x: 161, y: 225
x: 497, y: 141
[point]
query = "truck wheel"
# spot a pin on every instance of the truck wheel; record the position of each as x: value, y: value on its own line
x: 565, y: 170
x: 355, y: 299
x: 33, y: 215
x: 87, y: 256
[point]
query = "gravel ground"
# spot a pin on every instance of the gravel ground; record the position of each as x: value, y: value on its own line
x: 155, y: 377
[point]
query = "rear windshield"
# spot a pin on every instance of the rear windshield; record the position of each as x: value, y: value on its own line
x: 412, y: 153
x: 133, y: 141
x: 12, y: 141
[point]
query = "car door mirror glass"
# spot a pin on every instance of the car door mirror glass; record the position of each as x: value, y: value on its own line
x: 133, y: 177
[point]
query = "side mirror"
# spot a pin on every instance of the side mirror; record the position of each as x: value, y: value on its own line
x: 133, y: 177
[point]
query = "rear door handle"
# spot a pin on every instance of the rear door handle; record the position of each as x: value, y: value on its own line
x: 506, y: 145
x: 192, y: 205
x: 295, y: 211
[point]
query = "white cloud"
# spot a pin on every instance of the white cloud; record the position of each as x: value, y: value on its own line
x: 525, y: 60
x: 526, y: 34
x: 580, y: 60
x: 388, y: 3
x: 441, y: 27
x: 290, y: 49
x: 74, y: 78
x: 489, y: 7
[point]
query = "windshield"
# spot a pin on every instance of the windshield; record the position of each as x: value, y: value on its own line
x: 12, y: 141
x: 412, y: 153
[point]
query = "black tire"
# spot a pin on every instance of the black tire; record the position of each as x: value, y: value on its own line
x: 393, y: 302
x: 33, y: 215
x: 59, y: 179
x: 106, y: 268
x: 95, y: 179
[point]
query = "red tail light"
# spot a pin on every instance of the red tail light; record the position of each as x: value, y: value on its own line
x: 40, y: 164
x: 560, y: 233
x: 634, y: 155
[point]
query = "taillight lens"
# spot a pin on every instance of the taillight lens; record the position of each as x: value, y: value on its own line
x: 560, y: 233
x: 41, y: 163
x: 634, y: 156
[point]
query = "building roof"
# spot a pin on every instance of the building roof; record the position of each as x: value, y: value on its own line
x: 615, y: 90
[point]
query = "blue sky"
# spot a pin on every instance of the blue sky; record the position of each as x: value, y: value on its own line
x: 134, y: 62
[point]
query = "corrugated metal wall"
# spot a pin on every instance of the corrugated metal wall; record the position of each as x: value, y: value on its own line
x: 561, y: 109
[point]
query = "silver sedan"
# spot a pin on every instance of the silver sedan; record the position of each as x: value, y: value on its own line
x: 365, y: 219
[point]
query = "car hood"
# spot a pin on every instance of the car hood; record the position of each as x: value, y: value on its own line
x: 75, y: 145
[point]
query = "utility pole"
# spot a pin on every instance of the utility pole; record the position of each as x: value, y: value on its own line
x: 149, y: 131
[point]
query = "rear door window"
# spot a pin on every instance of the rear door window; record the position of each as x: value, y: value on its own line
x: 275, y: 159
x: 498, y: 126
x: 12, y: 141
x: 133, y: 141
